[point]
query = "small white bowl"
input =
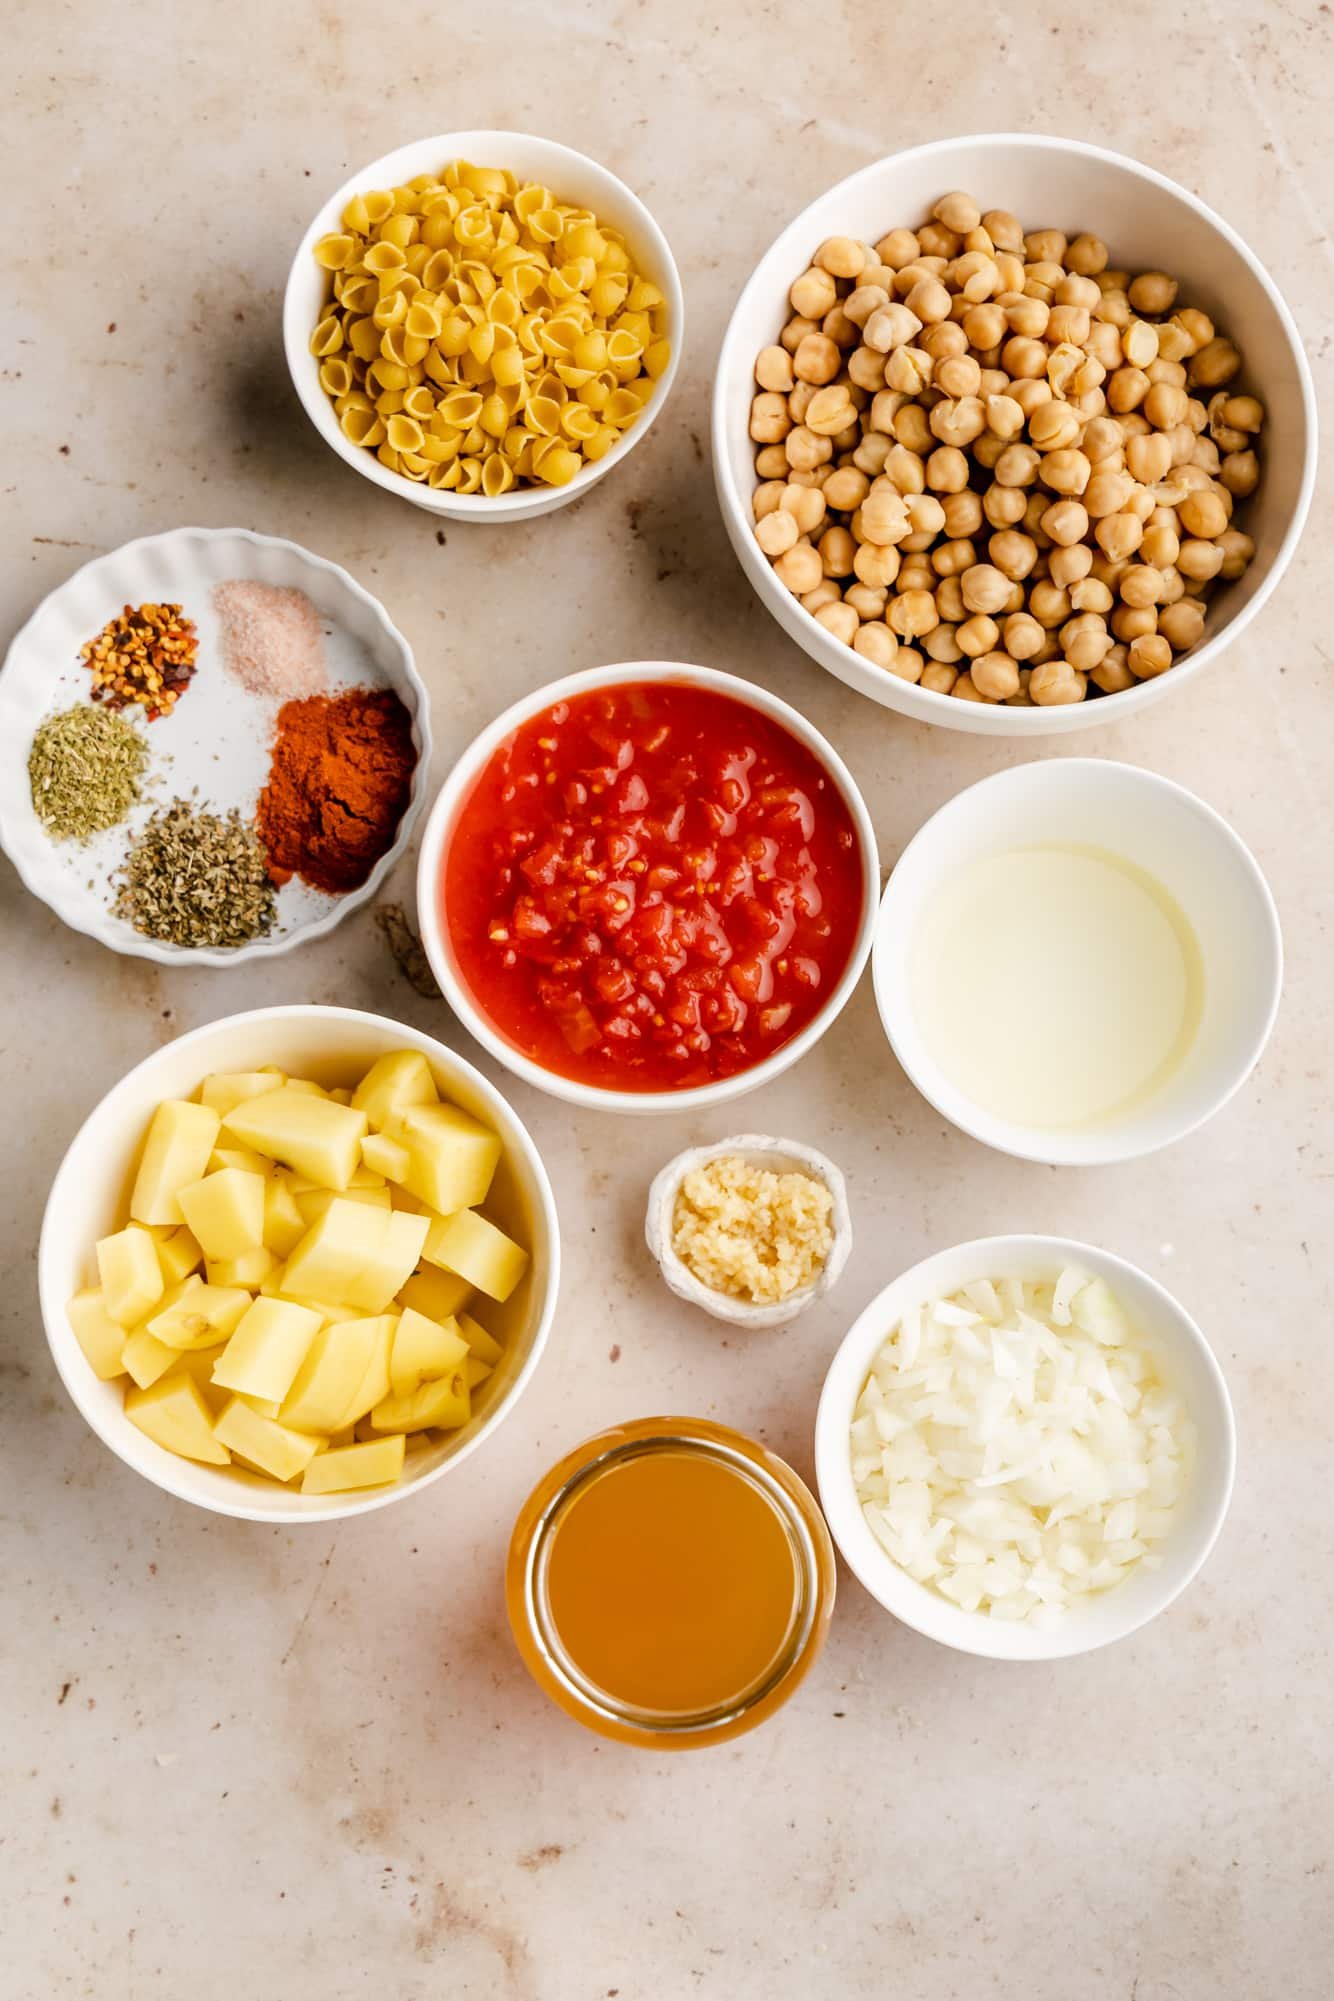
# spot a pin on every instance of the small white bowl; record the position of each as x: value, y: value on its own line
x: 779, y: 1156
x: 335, y: 1045
x: 1175, y: 838
x: 571, y: 177
x: 216, y: 740
x: 453, y: 796
x: 1188, y: 1364
x: 1150, y: 224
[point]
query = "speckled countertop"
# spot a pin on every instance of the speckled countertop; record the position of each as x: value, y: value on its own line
x: 241, y: 1760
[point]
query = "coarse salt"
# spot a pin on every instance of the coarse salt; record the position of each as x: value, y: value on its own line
x: 272, y: 638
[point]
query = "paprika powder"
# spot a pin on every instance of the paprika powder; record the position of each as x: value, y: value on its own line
x: 339, y: 784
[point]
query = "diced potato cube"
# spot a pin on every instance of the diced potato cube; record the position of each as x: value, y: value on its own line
x: 274, y: 1448
x: 385, y: 1156
x: 146, y: 1359
x: 227, y: 1089
x: 312, y: 1134
x: 284, y: 1225
x: 438, y: 1294
x: 328, y: 1380
x: 240, y: 1156
x: 225, y: 1211
x: 101, y: 1338
x: 250, y: 1269
x: 199, y: 1364
x: 202, y: 1316
x: 440, y: 1406
x: 173, y: 1413
x: 393, y: 1085
x: 375, y: 1465
x: 336, y: 1251
x: 341, y: 1095
x: 392, y: 1265
x: 374, y: 1384
x: 132, y: 1281
x: 181, y: 1136
x: 478, y: 1251
x: 270, y: 1343
x: 308, y: 1085
x: 312, y: 1202
x: 366, y: 1177
x: 480, y: 1343
x: 451, y: 1157
x: 179, y: 1254
x: 423, y: 1350
x: 476, y: 1371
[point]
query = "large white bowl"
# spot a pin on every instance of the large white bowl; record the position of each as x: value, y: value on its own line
x: 571, y: 177
x: 334, y: 1045
x: 216, y: 742
x: 1187, y: 1363
x: 458, y: 787
x: 1150, y: 224
x: 1164, y: 830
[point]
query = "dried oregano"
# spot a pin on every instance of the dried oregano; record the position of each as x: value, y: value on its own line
x: 197, y: 878
x: 85, y: 768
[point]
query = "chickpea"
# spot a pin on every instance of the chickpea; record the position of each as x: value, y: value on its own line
x: 796, y: 330
x: 1048, y: 245
x: 949, y: 601
x: 978, y: 635
x: 944, y: 340
x: 985, y: 588
x: 1159, y: 547
x: 987, y: 451
x: 817, y: 359
x: 771, y: 462
x: 805, y: 450
x: 963, y: 510
x: 1005, y: 417
x: 769, y: 419
x: 1141, y: 585
x: 867, y: 370
x: 966, y: 689
x: 841, y: 256
x: 885, y: 407
x: 825, y: 592
x: 828, y: 411
x: 1053, y: 427
x: 1091, y: 595
x: 905, y: 469
x: 876, y: 643
x: 882, y: 516
x: 837, y: 550
x: 1240, y: 473
x: 846, y: 488
x: 958, y: 376
x: 1004, y: 506
x: 1013, y: 554
x: 928, y: 301
x: 1023, y: 636
x: 900, y: 247
x: 767, y: 495
x: 908, y: 369
x: 1084, y: 641
x: 912, y: 429
x: 1243, y: 413
x: 1028, y: 392
x: 1182, y: 624
x: 890, y: 326
x: 1068, y: 323
x: 984, y: 326
x: 908, y: 664
x: 1149, y: 457
x: 773, y: 369
x: 836, y: 326
x: 1004, y: 229
x: 958, y: 423
x: 1126, y: 389
x: 1112, y: 674
x: 1026, y: 318
x: 947, y: 470
x: 1131, y: 622
x: 1042, y: 275
x: 1213, y: 364
x: 938, y: 241
x: 865, y: 300
x: 1087, y: 255
x: 1149, y: 656
x: 1054, y: 683
x: 917, y: 574
x: 1167, y: 371
x: 1204, y: 512
x: 1104, y: 346
x: 1068, y: 564
x: 867, y: 603
x: 1048, y: 604
x: 1107, y: 493
x: 1022, y: 357
x: 1065, y: 471
x: 939, y: 678
x: 799, y: 568
x: 1017, y: 466
x: 926, y: 515
x: 871, y: 453
x: 876, y: 564
x: 813, y: 294
x: 1205, y: 457
x: 1113, y: 309
x: 799, y: 401
x: 840, y: 619
x: 1238, y: 549
x: 941, y: 645
x: 1119, y: 535
x: 777, y: 532
x: 995, y: 675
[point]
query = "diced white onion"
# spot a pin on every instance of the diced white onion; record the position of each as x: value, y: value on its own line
x: 1015, y: 1448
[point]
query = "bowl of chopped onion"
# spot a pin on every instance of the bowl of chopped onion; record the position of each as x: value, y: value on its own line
x: 1025, y: 1448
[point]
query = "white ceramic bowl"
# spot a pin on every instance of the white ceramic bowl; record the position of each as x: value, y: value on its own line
x: 571, y: 177
x: 216, y: 740
x: 335, y: 1045
x: 1188, y: 1365
x: 1163, y: 829
x: 779, y: 1156
x: 453, y: 796
x: 1150, y: 224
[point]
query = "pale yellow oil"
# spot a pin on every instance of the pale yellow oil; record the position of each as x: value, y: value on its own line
x: 1057, y: 986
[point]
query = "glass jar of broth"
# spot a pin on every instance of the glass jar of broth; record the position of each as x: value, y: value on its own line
x: 670, y: 1582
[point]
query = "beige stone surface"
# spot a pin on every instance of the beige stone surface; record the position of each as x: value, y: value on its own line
x: 238, y: 1760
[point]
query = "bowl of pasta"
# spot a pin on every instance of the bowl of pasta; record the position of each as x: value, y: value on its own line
x: 484, y: 323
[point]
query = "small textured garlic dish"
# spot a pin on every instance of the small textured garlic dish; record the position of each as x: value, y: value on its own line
x: 751, y: 1229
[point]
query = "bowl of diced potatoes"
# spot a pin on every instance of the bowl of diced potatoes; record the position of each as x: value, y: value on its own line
x: 298, y: 1263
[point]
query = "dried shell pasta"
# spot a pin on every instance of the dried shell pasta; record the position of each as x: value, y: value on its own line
x: 481, y: 335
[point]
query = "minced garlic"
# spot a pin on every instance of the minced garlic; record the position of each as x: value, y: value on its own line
x: 752, y: 1233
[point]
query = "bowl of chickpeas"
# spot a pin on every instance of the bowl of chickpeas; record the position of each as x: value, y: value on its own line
x: 1012, y: 434
x: 483, y: 323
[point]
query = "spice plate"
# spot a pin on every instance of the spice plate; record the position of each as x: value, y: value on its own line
x: 213, y: 748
